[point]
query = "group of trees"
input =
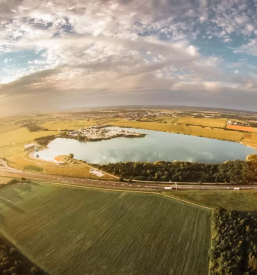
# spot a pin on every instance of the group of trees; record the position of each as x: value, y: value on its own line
x: 12, y: 262
x: 234, y: 172
x: 234, y: 249
x: 45, y: 140
x: 35, y: 128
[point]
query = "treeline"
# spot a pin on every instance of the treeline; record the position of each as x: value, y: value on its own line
x: 234, y: 249
x: 14, y: 181
x: 12, y: 262
x: 234, y: 172
x: 35, y: 128
x: 45, y: 140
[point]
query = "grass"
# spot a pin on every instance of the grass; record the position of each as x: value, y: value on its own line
x: 22, y: 161
x: 243, y: 200
x: 67, y: 230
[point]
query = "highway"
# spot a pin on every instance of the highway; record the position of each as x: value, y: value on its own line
x: 151, y: 186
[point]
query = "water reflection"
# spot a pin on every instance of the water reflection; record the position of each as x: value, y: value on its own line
x: 153, y: 147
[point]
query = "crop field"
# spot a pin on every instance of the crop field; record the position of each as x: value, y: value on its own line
x: 68, y: 125
x: 21, y: 135
x: 208, y: 122
x: 243, y: 200
x: 241, y: 128
x: 251, y: 140
x: 70, y: 230
x: 188, y: 130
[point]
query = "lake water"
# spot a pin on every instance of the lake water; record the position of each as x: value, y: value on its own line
x: 153, y: 147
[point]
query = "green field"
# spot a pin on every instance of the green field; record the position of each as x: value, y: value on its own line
x: 243, y: 200
x: 69, y: 230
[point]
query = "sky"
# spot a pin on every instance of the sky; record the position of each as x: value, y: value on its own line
x: 64, y: 54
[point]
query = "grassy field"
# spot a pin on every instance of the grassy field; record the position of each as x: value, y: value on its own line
x: 208, y: 122
x: 21, y: 135
x: 4, y: 180
x: 67, y: 230
x: 77, y: 169
x: 242, y: 200
x: 68, y: 125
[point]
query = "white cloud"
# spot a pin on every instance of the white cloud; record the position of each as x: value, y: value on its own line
x: 119, y: 45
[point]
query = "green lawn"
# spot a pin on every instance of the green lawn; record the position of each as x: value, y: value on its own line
x: 69, y: 230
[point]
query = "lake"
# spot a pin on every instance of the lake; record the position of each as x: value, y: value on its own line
x: 153, y: 147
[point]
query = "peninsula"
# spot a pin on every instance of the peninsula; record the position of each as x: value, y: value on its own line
x: 97, y: 133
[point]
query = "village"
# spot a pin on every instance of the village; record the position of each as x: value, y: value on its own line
x: 96, y: 133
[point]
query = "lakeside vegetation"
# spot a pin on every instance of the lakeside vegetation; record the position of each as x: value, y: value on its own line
x: 43, y: 141
x: 234, y: 249
x: 233, y: 172
x: 85, y: 138
x: 69, y: 230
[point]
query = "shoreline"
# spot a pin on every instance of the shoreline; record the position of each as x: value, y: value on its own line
x: 102, y: 138
x: 32, y: 156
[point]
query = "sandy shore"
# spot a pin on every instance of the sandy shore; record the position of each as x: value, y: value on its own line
x: 32, y: 155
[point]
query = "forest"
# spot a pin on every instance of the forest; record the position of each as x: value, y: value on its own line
x: 12, y: 262
x: 233, y: 172
x: 234, y: 249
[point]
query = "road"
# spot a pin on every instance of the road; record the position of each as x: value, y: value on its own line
x: 14, y: 173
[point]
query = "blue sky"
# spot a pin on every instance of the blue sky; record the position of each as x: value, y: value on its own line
x: 62, y: 54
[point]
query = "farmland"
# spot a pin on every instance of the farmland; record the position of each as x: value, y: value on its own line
x: 245, y: 200
x: 241, y: 128
x: 68, y: 125
x: 215, y: 133
x: 208, y: 122
x: 21, y: 135
x: 68, y: 230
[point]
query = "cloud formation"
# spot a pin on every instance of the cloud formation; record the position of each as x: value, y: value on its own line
x: 111, y: 48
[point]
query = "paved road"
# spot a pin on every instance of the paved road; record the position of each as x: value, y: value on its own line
x: 10, y: 172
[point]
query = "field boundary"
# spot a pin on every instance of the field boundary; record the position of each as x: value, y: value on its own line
x: 132, y: 191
